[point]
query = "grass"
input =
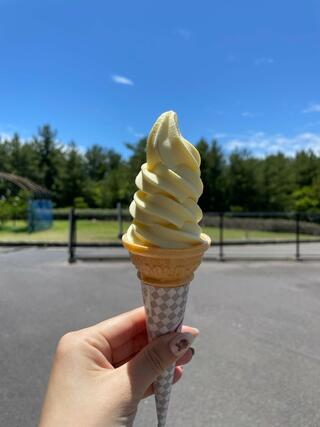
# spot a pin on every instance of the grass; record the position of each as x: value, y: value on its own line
x: 239, y: 234
x: 107, y: 231
x: 87, y: 231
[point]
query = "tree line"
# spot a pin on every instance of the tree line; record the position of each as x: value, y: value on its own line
x: 100, y: 177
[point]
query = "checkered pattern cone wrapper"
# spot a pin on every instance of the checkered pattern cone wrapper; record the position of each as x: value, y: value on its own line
x: 165, y: 275
x: 165, y: 311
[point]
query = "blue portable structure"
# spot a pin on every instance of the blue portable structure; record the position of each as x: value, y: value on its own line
x: 40, y: 214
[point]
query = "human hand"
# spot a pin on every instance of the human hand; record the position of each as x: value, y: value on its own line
x: 100, y: 373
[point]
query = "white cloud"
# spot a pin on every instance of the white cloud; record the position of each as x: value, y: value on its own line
x: 248, y: 114
x: 134, y: 133
x: 219, y: 135
x: 264, y: 61
x: 121, y: 80
x: 262, y: 144
x: 5, y: 135
x: 7, y: 131
x: 82, y: 149
x: 9, y: 135
x: 312, y: 108
x: 183, y: 33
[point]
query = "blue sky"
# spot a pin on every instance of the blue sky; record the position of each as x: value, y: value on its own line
x: 246, y: 72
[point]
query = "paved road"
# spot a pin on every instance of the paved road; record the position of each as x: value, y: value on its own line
x: 257, y: 359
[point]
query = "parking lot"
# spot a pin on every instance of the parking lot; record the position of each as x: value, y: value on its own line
x: 257, y: 361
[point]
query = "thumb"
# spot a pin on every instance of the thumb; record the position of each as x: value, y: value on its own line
x: 154, y: 359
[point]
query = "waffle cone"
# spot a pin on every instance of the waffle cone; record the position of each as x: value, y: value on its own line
x: 166, y: 267
x: 165, y: 275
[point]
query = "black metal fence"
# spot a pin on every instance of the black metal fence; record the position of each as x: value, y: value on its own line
x: 292, y: 228
x: 255, y: 231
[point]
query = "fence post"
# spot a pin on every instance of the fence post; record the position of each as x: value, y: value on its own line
x: 120, y: 223
x: 72, y: 236
x: 221, y: 256
x: 298, y: 237
x: 30, y: 217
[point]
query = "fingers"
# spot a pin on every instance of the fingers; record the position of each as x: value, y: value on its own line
x: 120, y: 329
x: 178, y: 372
x: 126, y: 334
x: 127, y: 350
x: 186, y: 358
x: 193, y: 331
x: 143, y: 369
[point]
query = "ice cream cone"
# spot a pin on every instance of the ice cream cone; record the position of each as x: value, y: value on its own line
x: 165, y: 275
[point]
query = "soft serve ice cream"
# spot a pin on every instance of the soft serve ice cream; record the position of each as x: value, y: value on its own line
x: 164, y: 209
x: 165, y: 241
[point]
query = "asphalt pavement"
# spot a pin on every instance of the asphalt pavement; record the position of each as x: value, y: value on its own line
x: 257, y: 361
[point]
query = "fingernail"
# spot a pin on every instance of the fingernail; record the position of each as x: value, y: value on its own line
x: 180, y: 344
x: 196, y: 331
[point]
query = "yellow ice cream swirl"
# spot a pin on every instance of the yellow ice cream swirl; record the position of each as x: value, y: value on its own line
x: 164, y: 209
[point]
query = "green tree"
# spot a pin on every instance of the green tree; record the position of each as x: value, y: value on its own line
x: 96, y: 162
x: 114, y: 188
x: 305, y: 166
x: 100, y: 161
x: 4, y: 155
x: 49, y: 156
x: 137, y: 158
x: 23, y: 159
x: 15, y: 154
x: 306, y: 199
x: 101, y: 177
x: 107, y: 182
x: 74, y: 176
x: 278, y: 182
x: 5, y: 211
x: 241, y: 185
x: 213, y: 175
x: 80, y: 203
